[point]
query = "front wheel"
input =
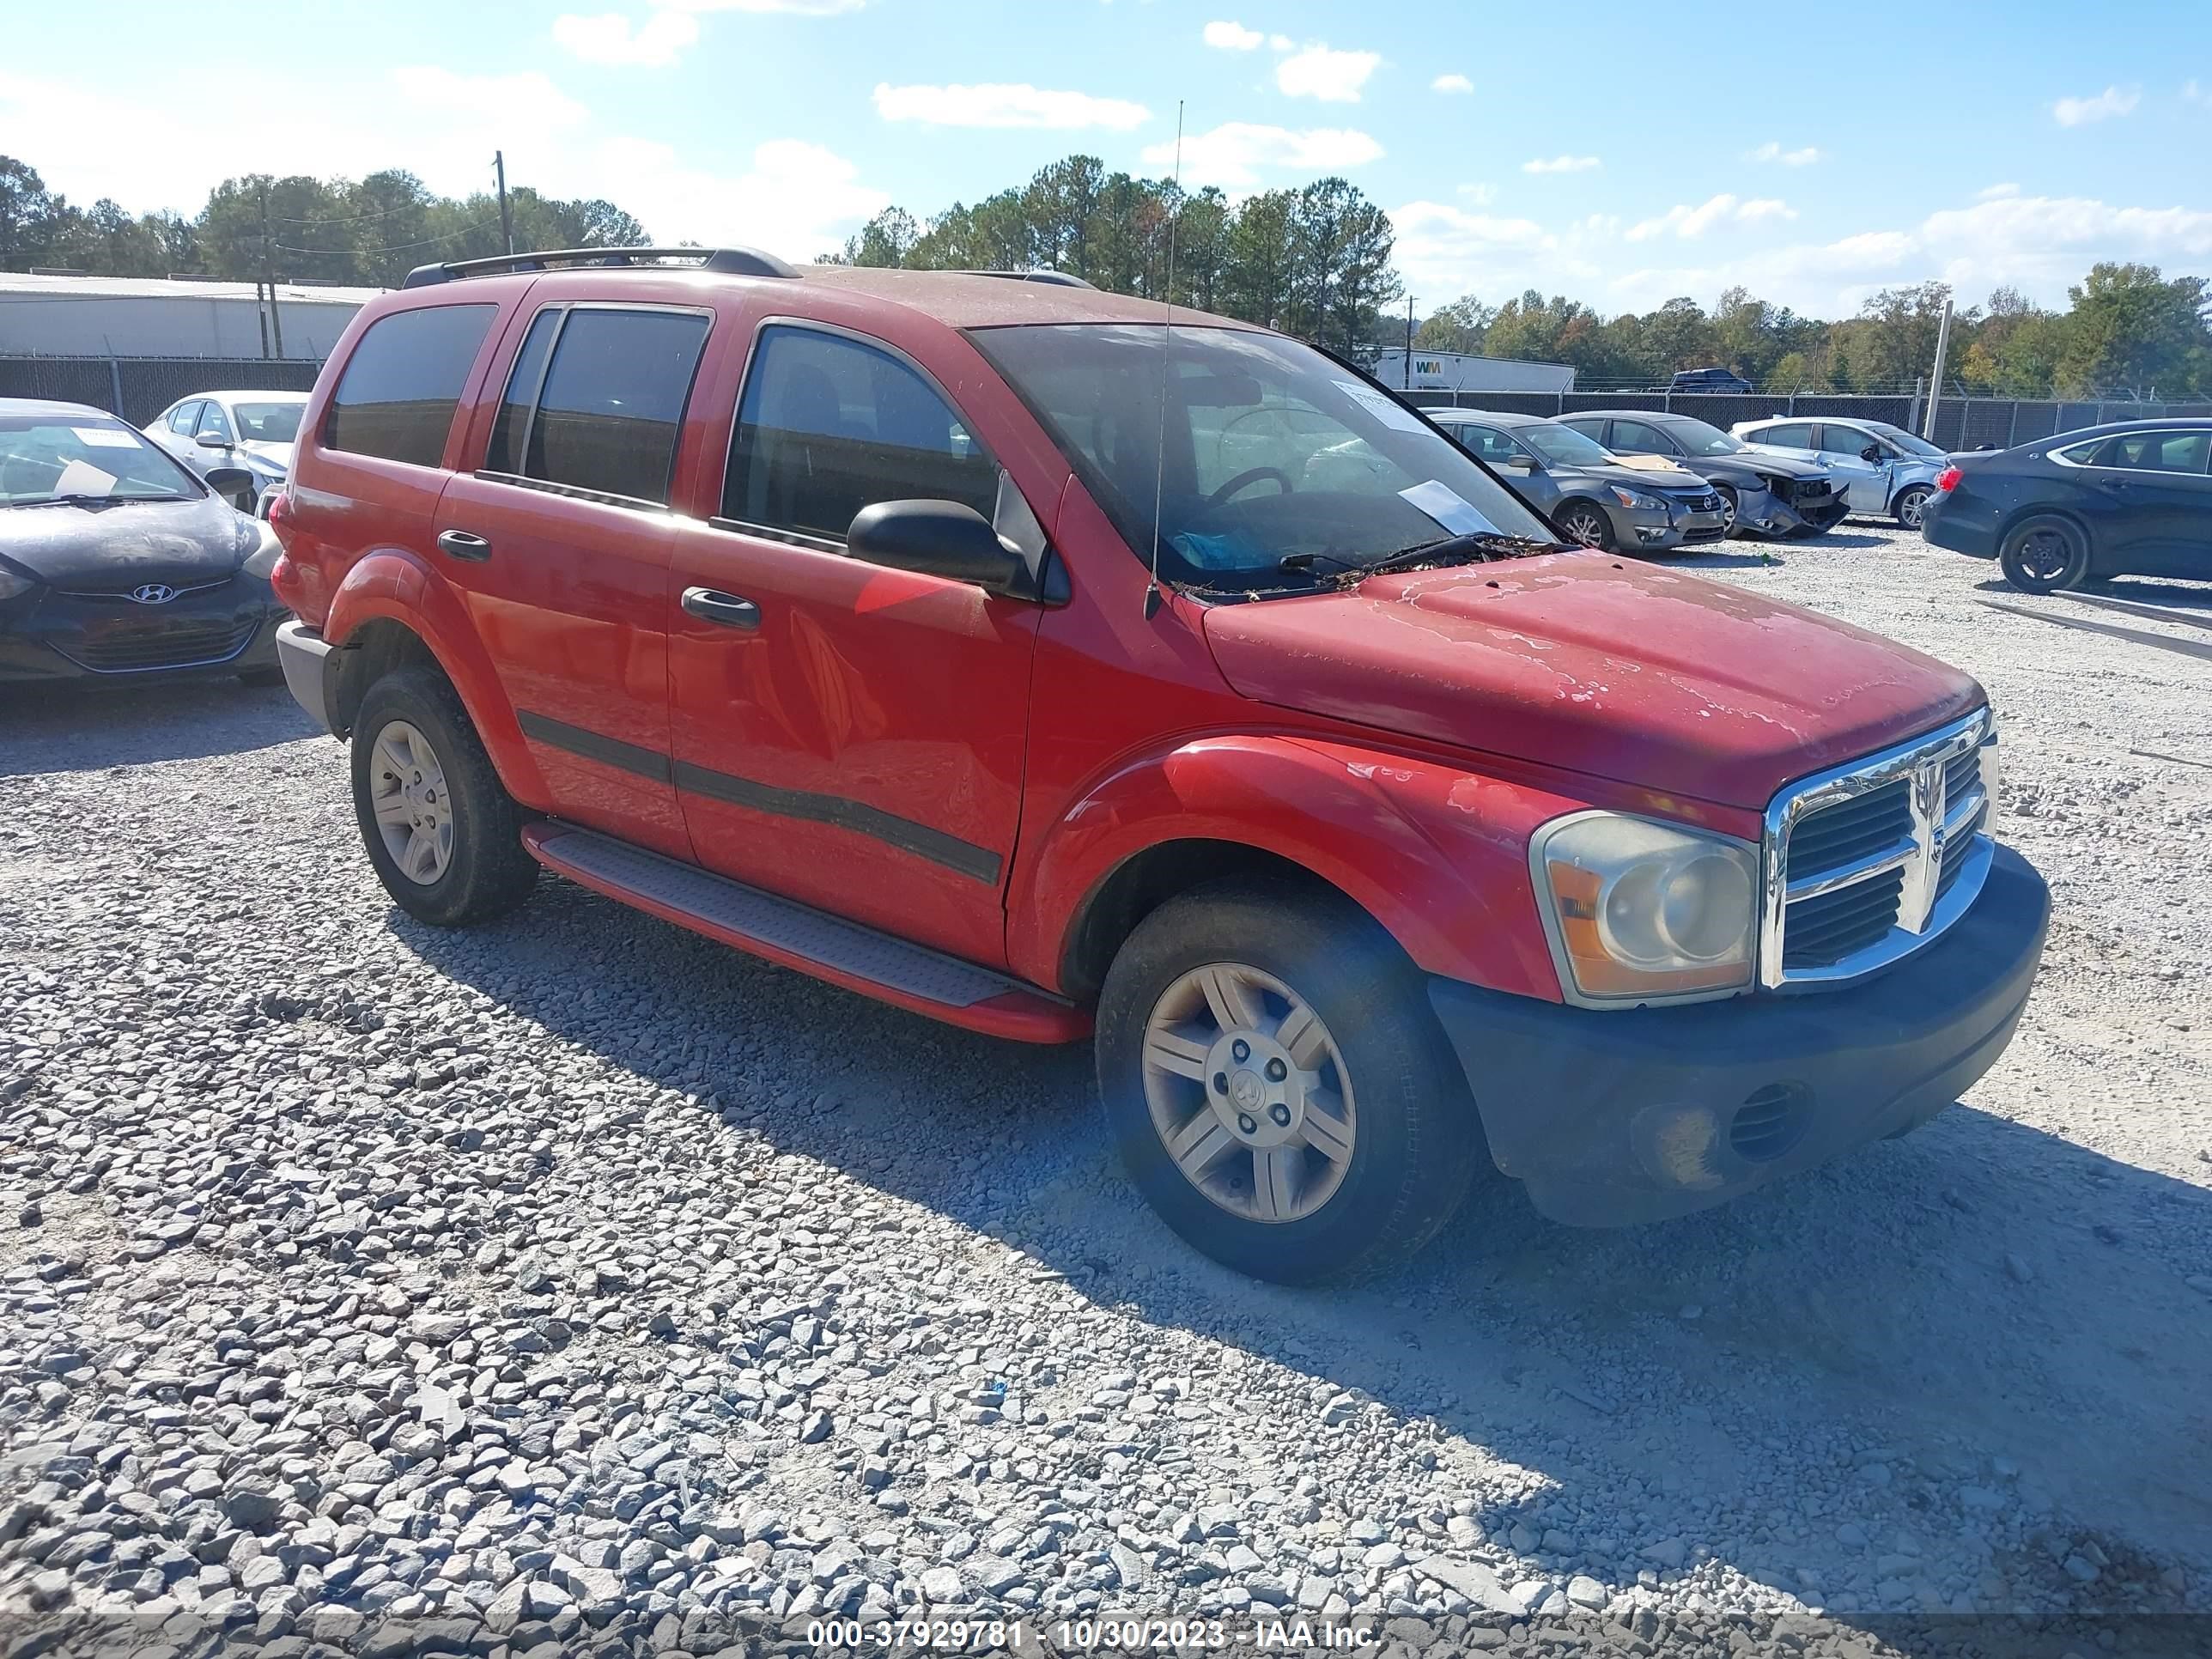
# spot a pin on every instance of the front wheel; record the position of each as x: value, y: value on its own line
x: 1728, y: 510
x: 1912, y: 505
x: 1278, y: 1088
x: 2044, y: 555
x: 443, y: 836
x: 1585, y: 522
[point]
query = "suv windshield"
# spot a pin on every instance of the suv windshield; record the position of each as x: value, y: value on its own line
x: 1262, y: 449
x: 1563, y: 445
x: 270, y: 423
x: 1904, y: 441
x: 1702, y: 440
x: 50, y: 458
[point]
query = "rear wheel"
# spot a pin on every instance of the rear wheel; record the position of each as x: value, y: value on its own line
x: 2044, y: 555
x: 1277, y: 1085
x: 445, y: 836
x: 1586, y: 522
x: 1911, y: 506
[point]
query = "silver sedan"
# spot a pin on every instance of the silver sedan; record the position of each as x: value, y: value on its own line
x: 250, y: 430
x: 1884, y: 468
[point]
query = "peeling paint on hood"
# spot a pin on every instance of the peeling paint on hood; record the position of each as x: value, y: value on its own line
x: 1596, y: 664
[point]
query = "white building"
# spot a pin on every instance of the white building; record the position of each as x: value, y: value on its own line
x: 1458, y: 371
x: 152, y: 317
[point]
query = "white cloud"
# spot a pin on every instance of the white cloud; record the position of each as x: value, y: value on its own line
x: 1480, y: 195
x: 1280, y: 42
x: 1018, y: 105
x: 1233, y: 153
x: 1772, y: 151
x: 1991, y: 192
x: 611, y: 39
x: 1231, y: 37
x: 527, y: 101
x: 1693, y: 221
x: 1562, y: 164
x: 1333, y: 77
x: 1451, y: 84
x: 2191, y: 92
x: 795, y: 198
x: 2113, y: 100
x: 795, y: 8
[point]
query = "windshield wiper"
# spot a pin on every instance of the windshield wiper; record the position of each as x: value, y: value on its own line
x: 1492, y: 543
x: 1306, y: 560
x: 79, y: 499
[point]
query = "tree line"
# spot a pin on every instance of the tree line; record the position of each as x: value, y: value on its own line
x: 1314, y: 261
x: 368, y: 233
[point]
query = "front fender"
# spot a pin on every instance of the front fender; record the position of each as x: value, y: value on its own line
x: 1437, y: 855
x: 392, y: 584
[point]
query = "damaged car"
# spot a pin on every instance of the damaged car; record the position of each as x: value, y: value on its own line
x: 1761, y: 494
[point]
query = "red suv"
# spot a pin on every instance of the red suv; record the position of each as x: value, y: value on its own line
x: 1041, y: 661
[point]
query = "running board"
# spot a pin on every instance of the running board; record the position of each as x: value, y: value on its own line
x: 793, y: 935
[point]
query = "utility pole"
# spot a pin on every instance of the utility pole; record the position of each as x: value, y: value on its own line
x: 1409, y: 342
x: 1936, y: 385
x: 261, y: 316
x: 506, y: 224
x: 269, y: 279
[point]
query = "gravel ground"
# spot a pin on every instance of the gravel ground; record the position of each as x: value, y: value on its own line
x: 575, y: 1283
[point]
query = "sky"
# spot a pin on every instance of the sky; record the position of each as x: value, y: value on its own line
x: 1618, y: 154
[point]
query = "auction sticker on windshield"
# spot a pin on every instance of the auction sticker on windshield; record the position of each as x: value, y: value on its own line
x: 1382, y: 405
x: 104, y: 437
x: 1448, y: 507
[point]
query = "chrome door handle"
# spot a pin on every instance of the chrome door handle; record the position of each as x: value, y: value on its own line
x: 464, y: 545
x: 710, y: 604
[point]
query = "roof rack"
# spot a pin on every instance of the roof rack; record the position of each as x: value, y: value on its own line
x: 723, y: 261
x: 1055, y: 278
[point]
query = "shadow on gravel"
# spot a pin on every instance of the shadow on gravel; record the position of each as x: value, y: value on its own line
x: 2191, y: 601
x: 74, y: 727
x: 1770, y: 558
x: 1993, y: 1303
x: 1838, y: 538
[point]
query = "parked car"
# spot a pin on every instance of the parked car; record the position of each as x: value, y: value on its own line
x: 1884, y: 468
x: 1760, y: 493
x: 252, y: 430
x: 2133, y: 498
x: 1708, y: 379
x: 118, y: 564
x: 893, y: 626
x: 1584, y: 491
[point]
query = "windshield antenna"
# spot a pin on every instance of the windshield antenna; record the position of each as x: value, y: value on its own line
x: 1167, y: 364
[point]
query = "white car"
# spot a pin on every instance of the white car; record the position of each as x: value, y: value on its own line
x: 1883, y: 469
x: 253, y: 430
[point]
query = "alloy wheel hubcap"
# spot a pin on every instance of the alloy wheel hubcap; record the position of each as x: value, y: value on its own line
x: 1248, y: 1092
x: 1583, y: 528
x: 413, y: 809
x: 1909, y: 510
x: 1728, y: 511
x: 2044, y: 554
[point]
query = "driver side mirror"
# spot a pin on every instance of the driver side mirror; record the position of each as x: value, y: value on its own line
x: 1518, y: 462
x: 939, y: 539
x: 1871, y: 452
x: 235, y: 485
x: 212, y: 441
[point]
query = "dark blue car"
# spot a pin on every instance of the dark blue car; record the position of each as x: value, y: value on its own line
x: 2134, y: 498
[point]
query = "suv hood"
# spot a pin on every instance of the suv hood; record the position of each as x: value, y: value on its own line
x: 1593, y: 664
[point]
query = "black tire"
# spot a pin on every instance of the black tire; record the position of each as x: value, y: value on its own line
x: 1585, y: 522
x: 2044, y: 555
x: 489, y: 874
x: 266, y: 675
x: 1417, y: 1140
x: 1912, y: 505
x: 1728, y: 527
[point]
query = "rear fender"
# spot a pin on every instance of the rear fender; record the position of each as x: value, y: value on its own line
x: 392, y: 584
x: 1437, y: 855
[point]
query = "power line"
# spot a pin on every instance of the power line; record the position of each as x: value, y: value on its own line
x: 396, y: 248
x: 357, y: 219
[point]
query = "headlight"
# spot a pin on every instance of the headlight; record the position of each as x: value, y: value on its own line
x: 13, y: 581
x: 266, y: 551
x: 1635, y: 498
x: 1639, y: 911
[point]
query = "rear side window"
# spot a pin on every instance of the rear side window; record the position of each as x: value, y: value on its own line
x: 828, y: 425
x: 1784, y: 437
x: 397, y: 396
x: 608, y: 412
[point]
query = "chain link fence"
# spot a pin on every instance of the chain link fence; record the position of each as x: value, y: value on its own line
x: 139, y: 388
x: 1961, y: 422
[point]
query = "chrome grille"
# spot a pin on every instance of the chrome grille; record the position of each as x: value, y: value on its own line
x: 1867, y: 863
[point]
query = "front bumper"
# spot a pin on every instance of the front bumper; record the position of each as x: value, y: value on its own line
x: 1759, y: 512
x: 1657, y: 530
x: 302, y: 653
x: 227, y: 626
x: 1611, y: 1118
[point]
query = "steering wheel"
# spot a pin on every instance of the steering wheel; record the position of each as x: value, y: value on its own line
x: 1251, y: 475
